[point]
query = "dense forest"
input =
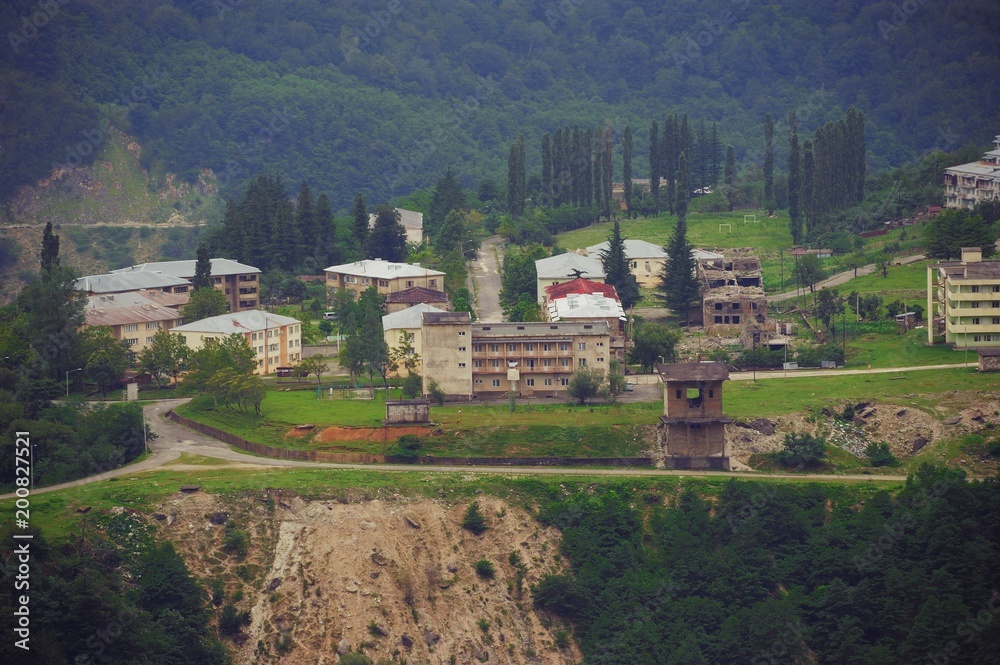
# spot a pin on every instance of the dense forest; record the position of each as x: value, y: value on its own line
x: 767, y: 573
x: 384, y: 97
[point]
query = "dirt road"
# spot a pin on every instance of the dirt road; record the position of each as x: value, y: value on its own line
x: 486, y: 273
x: 844, y: 277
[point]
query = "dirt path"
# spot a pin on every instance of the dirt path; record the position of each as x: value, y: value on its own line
x: 782, y: 374
x: 843, y: 278
x: 486, y: 273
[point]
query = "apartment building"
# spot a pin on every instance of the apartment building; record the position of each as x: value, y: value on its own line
x: 447, y: 358
x: 239, y: 282
x: 276, y: 340
x: 132, y: 318
x: 964, y: 297
x: 966, y: 185
x: 140, y: 282
x: 400, y: 300
x: 563, y: 268
x: 386, y: 276
x: 409, y: 322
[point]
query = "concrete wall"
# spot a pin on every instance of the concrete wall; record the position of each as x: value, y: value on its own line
x: 677, y: 405
x: 696, y: 440
x: 447, y: 358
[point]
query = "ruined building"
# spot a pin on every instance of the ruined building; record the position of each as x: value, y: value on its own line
x: 692, y: 428
x: 732, y: 292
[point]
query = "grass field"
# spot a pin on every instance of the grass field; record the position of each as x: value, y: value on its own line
x: 900, y: 351
x: 909, y: 280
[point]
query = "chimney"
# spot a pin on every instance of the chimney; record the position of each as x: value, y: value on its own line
x: 972, y: 255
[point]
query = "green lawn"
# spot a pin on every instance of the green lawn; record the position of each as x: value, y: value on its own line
x: 901, y: 351
x: 909, y: 280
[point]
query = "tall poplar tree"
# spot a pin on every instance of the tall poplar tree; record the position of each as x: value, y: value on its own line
x: 588, y: 168
x: 654, y: 165
x: 331, y: 253
x: 305, y: 220
x: 598, y: 171
x: 714, y: 149
x: 515, y: 177
x: 668, y: 157
x: 576, y: 164
x: 359, y: 215
x: 794, y: 181
x: 627, y: 168
x: 547, y: 168
x: 729, y: 175
x: 808, y: 176
x: 701, y: 157
x: 608, y: 171
x: 558, y: 163
x: 768, y: 160
x: 50, y: 249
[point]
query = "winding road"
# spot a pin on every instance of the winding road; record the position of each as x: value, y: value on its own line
x: 844, y: 277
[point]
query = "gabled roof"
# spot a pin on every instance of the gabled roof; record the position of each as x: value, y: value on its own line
x: 185, y: 269
x: 585, y: 306
x: 568, y: 265
x: 250, y: 320
x: 141, y: 297
x: 408, y: 318
x: 580, y: 285
x: 129, y: 281
x: 708, y: 371
x: 634, y: 249
x: 416, y: 294
x: 379, y: 269
x: 99, y: 315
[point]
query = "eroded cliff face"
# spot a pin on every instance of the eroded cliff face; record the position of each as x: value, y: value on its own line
x: 394, y: 578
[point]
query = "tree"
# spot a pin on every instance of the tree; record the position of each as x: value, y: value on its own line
x: 607, y: 164
x: 516, y: 178
x: 585, y: 383
x: 519, y: 275
x: 547, y: 169
x: 828, y: 306
x: 714, y: 148
x: 525, y: 309
x: 166, y: 355
x: 314, y: 365
x: 474, y: 520
x: 768, y: 161
x: 232, y: 352
x: 668, y: 158
x: 202, y: 268
x: 204, y: 303
x: 809, y: 271
x: 794, y: 182
x: 678, y: 284
x: 50, y: 249
x: 616, y: 269
x: 454, y: 234
x: 879, y: 454
x: 105, y: 357
x: 306, y: 234
x: 404, y: 355
x: 448, y: 198
x: 729, y: 172
x: 652, y: 343
x: 627, y: 169
x: 946, y: 234
x: 359, y: 217
x: 387, y: 240
x: 802, y: 450
x: 808, y: 176
x: 616, y: 380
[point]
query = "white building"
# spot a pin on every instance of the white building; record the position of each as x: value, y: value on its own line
x: 966, y: 185
x: 564, y: 267
x: 407, y: 321
x: 276, y: 340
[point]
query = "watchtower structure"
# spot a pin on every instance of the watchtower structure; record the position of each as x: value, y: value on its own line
x: 693, y: 426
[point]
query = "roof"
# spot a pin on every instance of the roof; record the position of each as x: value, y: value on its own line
x: 99, y: 315
x: 379, y: 269
x: 989, y: 352
x: 141, y: 297
x: 585, y: 306
x: 416, y: 294
x: 568, y: 265
x: 446, y: 318
x: 409, y: 219
x: 580, y: 285
x: 707, y: 371
x: 185, y: 269
x: 634, y: 249
x: 408, y: 318
x: 977, y: 270
x: 250, y: 320
x: 540, y: 330
x: 117, y: 283
x: 979, y: 169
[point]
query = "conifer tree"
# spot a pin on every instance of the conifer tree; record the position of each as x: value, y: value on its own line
x: 448, y: 195
x: 576, y: 164
x: 768, y: 160
x: 616, y: 269
x: 202, y: 268
x: 515, y: 177
x: 701, y: 157
x: 794, y: 181
x: 558, y: 165
x: 598, y: 171
x: 654, y: 165
x: 327, y: 230
x: 607, y: 164
x: 729, y: 175
x: 627, y: 168
x: 50, y: 249
x: 808, y: 175
x: 678, y: 283
x: 305, y: 219
x: 588, y: 160
x: 387, y: 240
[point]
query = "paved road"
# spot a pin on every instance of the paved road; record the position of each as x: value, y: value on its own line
x: 486, y: 272
x: 792, y: 373
x: 843, y: 278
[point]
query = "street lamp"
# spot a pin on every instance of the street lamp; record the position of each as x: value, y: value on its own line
x: 68, y: 372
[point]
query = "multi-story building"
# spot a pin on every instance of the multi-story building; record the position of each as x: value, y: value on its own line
x: 409, y: 322
x: 732, y: 292
x: 584, y: 301
x: 239, y: 282
x: 966, y: 185
x: 400, y: 300
x: 276, y: 340
x: 138, y: 282
x: 693, y: 426
x: 447, y: 358
x: 564, y: 267
x: 386, y: 276
x: 411, y: 220
x: 132, y: 318
x: 967, y: 298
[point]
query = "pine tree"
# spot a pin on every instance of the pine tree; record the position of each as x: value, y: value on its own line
x: 678, y: 283
x: 627, y: 168
x: 588, y: 169
x: 794, y: 181
x: 598, y: 171
x: 50, y: 249
x: 576, y: 167
x: 654, y: 165
x: 330, y: 249
x: 768, y: 160
x: 387, y: 240
x: 729, y: 175
x: 305, y: 221
x: 359, y: 215
x: 547, y: 169
x: 448, y: 195
x: 202, y: 268
x: 616, y: 269
x: 701, y: 158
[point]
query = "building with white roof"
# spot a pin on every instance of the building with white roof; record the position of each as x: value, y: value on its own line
x: 112, y: 283
x: 238, y: 281
x: 586, y: 306
x: 966, y: 185
x: 647, y: 260
x: 275, y: 339
x: 407, y: 321
x: 564, y: 267
x: 411, y: 220
x: 386, y: 276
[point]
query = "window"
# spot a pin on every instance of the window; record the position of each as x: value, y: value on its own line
x: 975, y: 304
x: 546, y: 347
x: 718, y: 319
x: 736, y: 319
x: 600, y: 360
x: 461, y: 364
x: 131, y: 342
x: 647, y: 266
x: 995, y: 288
x: 718, y: 305
x: 477, y: 363
x: 711, y: 393
x: 477, y: 348
x: 130, y: 327
x: 384, y: 283
x: 564, y: 362
x: 547, y: 362
x: 564, y: 346
x: 461, y: 333
x: 726, y: 319
x: 530, y: 363
x: 496, y: 383
x: 736, y: 305
x: 512, y: 348
x: 529, y: 382
x: 996, y: 303
x: 600, y: 344
x: 975, y: 320
x: 461, y: 348
x: 635, y: 264
x: 494, y: 348
x: 547, y: 382
x: 409, y: 283
x: 149, y: 340
x: 582, y: 362
x: 495, y: 364
x: 975, y: 289
x: 433, y: 282
x: 153, y: 325
x: 996, y: 320
x: 581, y: 346
x: 529, y: 346
x: 564, y: 382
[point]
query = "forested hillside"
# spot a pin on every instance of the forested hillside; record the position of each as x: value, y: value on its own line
x: 382, y: 97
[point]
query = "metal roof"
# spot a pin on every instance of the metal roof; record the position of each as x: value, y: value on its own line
x: 709, y: 371
x: 99, y: 315
x: 409, y: 318
x: 416, y: 294
x: 130, y: 281
x: 585, y: 306
x: 534, y: 329
x: 568, y: 265
x: 250, y: 320
x: 379, y: 269
x: 185, y: 269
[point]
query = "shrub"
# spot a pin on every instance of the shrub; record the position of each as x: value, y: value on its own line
x: 485, y: 569
x: 878, y: 454
x: 434, y: 390
x: 354, y: 658
x: 408, y: 447
x: 412, y: 385
x: 562, y: 638
x: 474, y: 520
x: 994, y: 447
x: 230, y: 620
x: 559, y: 594
x: 236, y: 542
x: 802, y: 450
